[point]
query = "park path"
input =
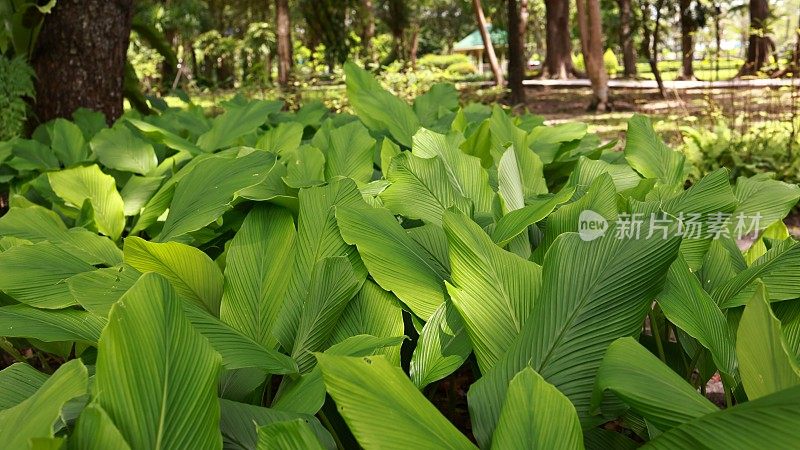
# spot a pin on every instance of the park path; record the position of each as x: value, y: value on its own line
x: 676, y: 84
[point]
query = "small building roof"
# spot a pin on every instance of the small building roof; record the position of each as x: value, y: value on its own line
x: 473, y: 41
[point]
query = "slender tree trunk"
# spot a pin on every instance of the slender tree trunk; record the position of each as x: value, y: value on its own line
x: 414, y: 48
x: 524, y: 16
x: 626, y: 39
x: 591, y: 31
x: 80, y: 58
x: 368, y: 13
x: 487, y: 43
x: 516, y: 54
x: 558, y: 44
x: 650, y: 39
x: 759, y: 45
x: 284, y: 38
x: 688, y: 27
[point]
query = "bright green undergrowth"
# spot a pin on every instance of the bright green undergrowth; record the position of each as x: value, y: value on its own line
x: 274, y: 279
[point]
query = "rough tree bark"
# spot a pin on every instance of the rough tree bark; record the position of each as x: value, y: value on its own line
x: 80, y: 58
x: 626, y: 39
x: 688, y: 27
x: 516, y: 55
x: 284, y: 38
x: 558, y: 45
x: 487, y: 43
x: 759, y: 45
x: 591, y: 31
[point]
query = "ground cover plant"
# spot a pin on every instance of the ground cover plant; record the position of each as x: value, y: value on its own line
x: 273, y: 279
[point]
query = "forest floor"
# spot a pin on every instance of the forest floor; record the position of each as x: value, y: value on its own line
x: 741, y: 106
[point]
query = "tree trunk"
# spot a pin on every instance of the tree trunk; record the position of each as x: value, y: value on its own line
x: 759, y: 45
x: 650, y: 41
x: 626, y: 39
x: 414, y: 48
x: 591, y: 31
x: 487, y: 43
x: 284, y: 38
x: 524, y: 16
x: 688, y: 27
x: 516, y: 54
x: 368, y: 13
x: 80, y: 58
x: 558, y: 45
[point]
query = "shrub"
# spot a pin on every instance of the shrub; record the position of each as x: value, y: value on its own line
x: 442, y: 62
x: 16, y: 85
x: 461, y: 68
x: 248, y: 281
x: 610, y: 62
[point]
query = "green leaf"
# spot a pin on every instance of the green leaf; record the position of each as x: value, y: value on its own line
x: 79, y: 184
x: 464, y: 171
x: 19, y: 382
x: 332, y: 286
x: 35, y: 417
x: 436, y: 104
x: 592, y: 293
x: 348, y: 152
x: 317, y: 238
x: 50, y: 326
x: 307, y: 169
x: 649, y: 156
x: 372, y: 312
x: 255, y: 273
x: 283, y: 139
x: 771, y: 200
x: 493, y: 290
x: 767, y: 422
x: 766, y: 363
x: 164, y: 136
x: 208, y: 191
x: 587, y: 170
x: 35, y: 274
x: 779, y: 269
x: 292, y: 434
x: 396, y: 262
x: 650, y: 388
x: 118, y: 148
x: 98, y: 290
x: 235, y: 122
x: 193, y: 274
x: 382, y: 408
x: 519, y: 174
x: 515, y: 222
x: 377, y: 108
x: 442, y: 348
x: 168, y: 401
x: 688, y: 306
x: 419, y: 190
x: 536, y: 415
x: 94, y: 429
x: 138, y: 191
x: 68, y: 143
x: 240, y: 422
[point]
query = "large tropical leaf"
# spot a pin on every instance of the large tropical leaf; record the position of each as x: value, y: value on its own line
x: 255, y: 277
x: 395, y: 260
x: 767, y: 422
x: 67, y: 142
x: 648, y: 154
x: 348, y: 151
x: 117, y: 148
x: 50, y: 325
x: 76, y: 186
x: 318, y: 237
x: 647, y: 386
x: 19, y: 382
x: 767, y: 365
x: 288, y: 435
x: 332, y: 286
x: 592, y: 293
x: 98, y: 290
x: 193, y: 274
x: 207, y: 191
x: 442, y: 348
x: 235, y: 122
x: 769, y: 199
x: 377, y: 108
x: 493, y: 290
x: 94, y: 429
x: 382, y: 408
x: 688, y: 306
x: 536, y: 415
x: 36, y: 274
x: 35, y: 416
x: 156, y: 376
x: 419, y: 190
x: 516, y: 221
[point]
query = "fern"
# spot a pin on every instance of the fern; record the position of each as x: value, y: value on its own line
x: 16, y: 84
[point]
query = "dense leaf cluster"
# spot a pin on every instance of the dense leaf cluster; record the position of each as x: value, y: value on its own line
x: 271, y: 279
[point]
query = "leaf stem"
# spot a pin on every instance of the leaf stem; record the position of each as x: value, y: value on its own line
x: 329, y: 426
x: 657, y: 337
x: 6, y: 346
